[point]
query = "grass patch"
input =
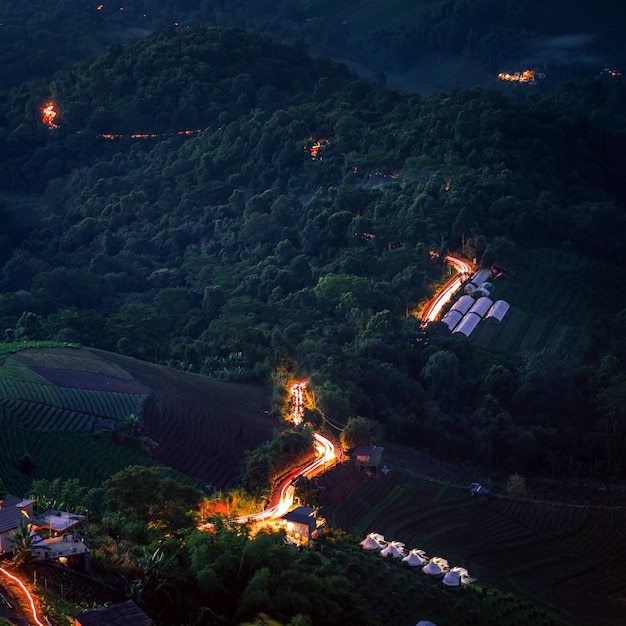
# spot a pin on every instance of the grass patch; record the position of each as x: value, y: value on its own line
x: 7, y: 349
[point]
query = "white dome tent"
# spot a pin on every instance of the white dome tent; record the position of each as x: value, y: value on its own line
x: 432, y: 569
x: 457, y: 577
x: 394, y: 549
x: 443, y: 563
x: 373, y: 541
x: 415, y: 558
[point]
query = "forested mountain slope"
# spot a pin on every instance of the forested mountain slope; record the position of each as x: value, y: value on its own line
x: 293, y: 227
x: 420, y: 45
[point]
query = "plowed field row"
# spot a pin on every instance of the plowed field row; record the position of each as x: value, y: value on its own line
x: 516, y: 545
x: 197, y: 444
x: 45, y: 418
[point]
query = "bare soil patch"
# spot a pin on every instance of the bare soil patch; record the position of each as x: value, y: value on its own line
x: 202, y: 427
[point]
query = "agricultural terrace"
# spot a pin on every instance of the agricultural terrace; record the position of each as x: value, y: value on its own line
x: 58, y: 404
x: 66, y: 390
x: 553, y: 305
x: 541, y: 551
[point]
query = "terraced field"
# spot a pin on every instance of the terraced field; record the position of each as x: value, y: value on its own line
x: 66, y: 390
x: 202, y: 427
x: 564, y: 557
x: 58, y: 402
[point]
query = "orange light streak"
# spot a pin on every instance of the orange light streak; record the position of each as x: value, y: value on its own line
x: 31, y: 600
x: 434, y: 307
x: 297, y: 399
x: 325, y: 450
x: 112, y: 136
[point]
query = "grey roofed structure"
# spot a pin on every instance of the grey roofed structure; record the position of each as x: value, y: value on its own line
x: 59, y: 521
x: 369, y: 456
x: 301, y: 515
x: 452, y: 318
x: 10, y: 514
x: 498, y: 310
x: 303, y: 523
x: 12, y: 511
x: 120, y: 614
x: 481, y: 276
x: 485, y: 289
x: 481, y: 306
x: 467, y: 325
x: 477, y: 280
x: 463, y: 304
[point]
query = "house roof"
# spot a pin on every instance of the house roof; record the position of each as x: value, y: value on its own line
x: 59, y: 520
x: 10, y: 518
x: 370, y: 454
x: 301, y: 515
x: 11, y: 512
x: 120, y: 614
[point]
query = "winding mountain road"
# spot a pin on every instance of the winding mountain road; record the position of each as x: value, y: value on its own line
x: 433, y: 308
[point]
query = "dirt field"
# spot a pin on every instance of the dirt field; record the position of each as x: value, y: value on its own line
x: 202, y: 427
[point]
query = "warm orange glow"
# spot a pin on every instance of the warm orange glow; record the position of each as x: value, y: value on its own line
x: 448, y: 185
x: 297, y: 401
x: 324, y: 459
x: 112, y: 136
x: 527, y: 76
x: 434, y: 307
x: 100, y: 7
x: 28, y: 595
x: 48, y: 114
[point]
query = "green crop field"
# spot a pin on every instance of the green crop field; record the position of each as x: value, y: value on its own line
x: 30, y: 400
x: 89, y: 458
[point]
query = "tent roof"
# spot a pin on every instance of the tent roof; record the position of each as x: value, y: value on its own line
x: 452, y: 579
x: 369, y: 543
x: 432, y: 568
x: 414, y: 560
x: 120, y: 614
x: 394, y: 549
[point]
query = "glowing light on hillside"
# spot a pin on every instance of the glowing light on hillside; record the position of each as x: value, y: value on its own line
x: 113, y: 136
x: 297, y: 401
x: 434, y: 307
x: 528, y: 77
x: 100, y: 7
x: 28, y: 595
x: 48, y: 114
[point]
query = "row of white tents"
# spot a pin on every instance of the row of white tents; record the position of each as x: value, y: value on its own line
x: 476, y: 305
x: 435, y: 566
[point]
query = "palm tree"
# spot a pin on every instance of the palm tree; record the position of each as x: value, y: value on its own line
x: 22, y: 544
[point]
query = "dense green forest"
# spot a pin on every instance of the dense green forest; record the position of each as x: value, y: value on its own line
x: 428, y: 44
x: 293, y: 228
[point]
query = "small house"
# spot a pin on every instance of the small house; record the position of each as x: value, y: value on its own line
x: 368, y: 457
x: 302, y: 523
x: 12, y: 511
x: 119, y: 614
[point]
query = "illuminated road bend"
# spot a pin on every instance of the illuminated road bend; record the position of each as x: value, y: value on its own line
x: 433, y: 308
x: 27, y: 594
x: 325, y: 450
